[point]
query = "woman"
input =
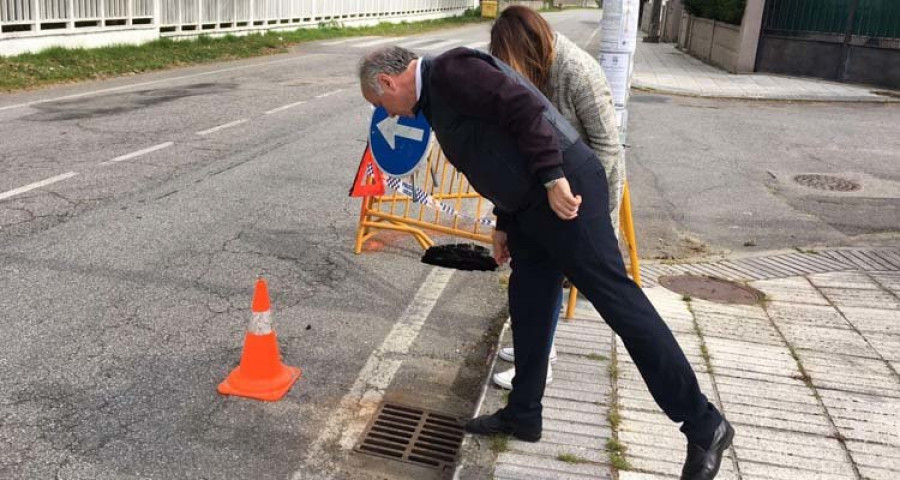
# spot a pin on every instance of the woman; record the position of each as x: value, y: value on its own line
x: 574, y: 82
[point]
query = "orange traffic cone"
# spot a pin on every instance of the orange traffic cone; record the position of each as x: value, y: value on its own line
x: 261, y: 375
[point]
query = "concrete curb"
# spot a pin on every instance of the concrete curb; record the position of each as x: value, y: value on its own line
x: 653, y: 88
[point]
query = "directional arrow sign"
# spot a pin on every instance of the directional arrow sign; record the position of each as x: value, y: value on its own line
x: 390, y: 129
x: 399, y: 144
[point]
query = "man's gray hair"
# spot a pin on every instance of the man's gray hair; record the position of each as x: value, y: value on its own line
x: 390, y: 60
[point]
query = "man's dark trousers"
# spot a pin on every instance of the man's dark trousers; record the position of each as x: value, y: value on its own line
x: 543, y: 249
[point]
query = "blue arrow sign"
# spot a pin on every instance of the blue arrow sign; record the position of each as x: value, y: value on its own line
x: 399, y: 144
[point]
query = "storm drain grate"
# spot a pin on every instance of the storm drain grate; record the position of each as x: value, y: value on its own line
x: 712, y: 289
x: 827, y: 182
x: 413, y: 435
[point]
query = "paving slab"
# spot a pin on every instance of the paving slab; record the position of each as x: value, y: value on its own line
x: 844, y: 326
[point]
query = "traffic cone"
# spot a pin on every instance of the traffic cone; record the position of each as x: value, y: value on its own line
x: 261, y: 375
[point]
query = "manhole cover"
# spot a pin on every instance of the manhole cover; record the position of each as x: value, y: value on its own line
x: 413, y: 435
x: 712, y: 289
x: 827, y: 182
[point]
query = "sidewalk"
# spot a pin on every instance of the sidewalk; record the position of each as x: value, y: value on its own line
x: 809, y: 378
x: 662, y: 67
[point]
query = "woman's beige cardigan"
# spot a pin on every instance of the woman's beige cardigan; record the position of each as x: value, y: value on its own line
x: 578, y: 89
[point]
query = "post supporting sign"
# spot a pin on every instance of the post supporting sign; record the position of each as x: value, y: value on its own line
x: 618, y: 33
x: 399, y: 144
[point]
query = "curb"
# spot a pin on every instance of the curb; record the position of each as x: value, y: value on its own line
x: 650, y: 88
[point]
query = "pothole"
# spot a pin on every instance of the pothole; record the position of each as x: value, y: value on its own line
x: 712, y: 289
x: 827, y: 182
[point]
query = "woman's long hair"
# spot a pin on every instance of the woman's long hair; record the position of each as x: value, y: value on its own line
x: 524, y: 40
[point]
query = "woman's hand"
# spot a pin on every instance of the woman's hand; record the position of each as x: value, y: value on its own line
x: 562, y: 202
x: 500, y: 247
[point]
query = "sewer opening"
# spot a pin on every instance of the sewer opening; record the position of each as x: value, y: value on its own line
x: 827, y: 182
x: 712, y: 289
x: 413, y: 435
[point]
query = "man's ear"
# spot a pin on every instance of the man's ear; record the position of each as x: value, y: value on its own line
x: 387, y: 83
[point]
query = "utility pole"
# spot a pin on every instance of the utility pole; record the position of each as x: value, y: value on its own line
x: 618, y: 40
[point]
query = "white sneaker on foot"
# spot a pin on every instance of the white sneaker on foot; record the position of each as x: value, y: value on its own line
x: 509, y: 354
x: 504, y: 379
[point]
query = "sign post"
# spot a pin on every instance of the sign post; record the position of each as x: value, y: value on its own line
x: 618, y: 33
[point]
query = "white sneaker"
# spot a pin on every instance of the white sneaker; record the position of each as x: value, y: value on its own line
x: 504, y: 379
x: 509, y: 354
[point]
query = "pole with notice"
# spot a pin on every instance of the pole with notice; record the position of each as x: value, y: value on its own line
x: 618, y: 41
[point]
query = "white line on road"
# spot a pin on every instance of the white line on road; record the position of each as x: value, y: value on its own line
x: 328, y: 94
x: 138, y: 153
x: 441, y: 45
x: 416, y: 42
x: 284, y: 107
x: 379, y: 41
x: 360, y: 403
x: 478, y: 45
x: 345, y: 40
x: 588, y: 43
x: 42, y: 183
x: 142, y: 84
x: 222, y: 127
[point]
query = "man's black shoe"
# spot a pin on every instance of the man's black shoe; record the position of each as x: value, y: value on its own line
x: 703, y: 463
x: 497, y: 425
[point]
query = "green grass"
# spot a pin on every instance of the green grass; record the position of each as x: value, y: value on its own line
x: 617, y: 454
x: 569, y: 458
x: 614, y: 416
x: 500, y: 443
x: 597, y: 357
x: 613, y: 370
x: 58, y: 65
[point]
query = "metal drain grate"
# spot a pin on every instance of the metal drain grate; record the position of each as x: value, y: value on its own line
x: 712, y: 289
x: 413, y: 435
x: 827, y: 182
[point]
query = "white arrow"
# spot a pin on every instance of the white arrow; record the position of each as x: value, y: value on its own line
x: 390, y: 128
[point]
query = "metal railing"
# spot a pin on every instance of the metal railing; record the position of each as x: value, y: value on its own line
x: 872, y: 18
x: 53, y: 16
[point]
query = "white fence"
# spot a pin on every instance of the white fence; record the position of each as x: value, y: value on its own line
x: 109, y: 21
x: 188, y: 15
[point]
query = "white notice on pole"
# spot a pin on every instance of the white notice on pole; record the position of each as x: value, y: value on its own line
x: 619, y: 26
x: 617, y: 68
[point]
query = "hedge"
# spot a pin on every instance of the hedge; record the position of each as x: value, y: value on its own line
x: 728, y: 11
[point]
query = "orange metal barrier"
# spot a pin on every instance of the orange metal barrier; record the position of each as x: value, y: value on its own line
x: 398, y: 212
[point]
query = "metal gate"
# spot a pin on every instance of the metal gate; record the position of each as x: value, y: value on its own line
x: 845, y: 40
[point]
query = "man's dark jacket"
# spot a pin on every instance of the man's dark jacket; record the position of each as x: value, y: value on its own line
x: 496, y: 128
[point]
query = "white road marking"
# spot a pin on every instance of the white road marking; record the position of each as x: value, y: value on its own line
x: 284, y: 107
x: 478, y: 46
x: 415, y: 42
x: 360, y: 403
x: 222, y: 127
x: 328, y: 94
x: 345, y: 40
x: 441, y: 45
x: 42, y: 183
x: 586, y: 44
x: 379, y: 41
x: 138, y: 153
x: 142, y: 84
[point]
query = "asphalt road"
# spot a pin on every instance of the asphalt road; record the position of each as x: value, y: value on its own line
x: 127, y: 276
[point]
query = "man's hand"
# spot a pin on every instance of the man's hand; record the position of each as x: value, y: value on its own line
x: 501, y: 247
x: 561, y: 200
